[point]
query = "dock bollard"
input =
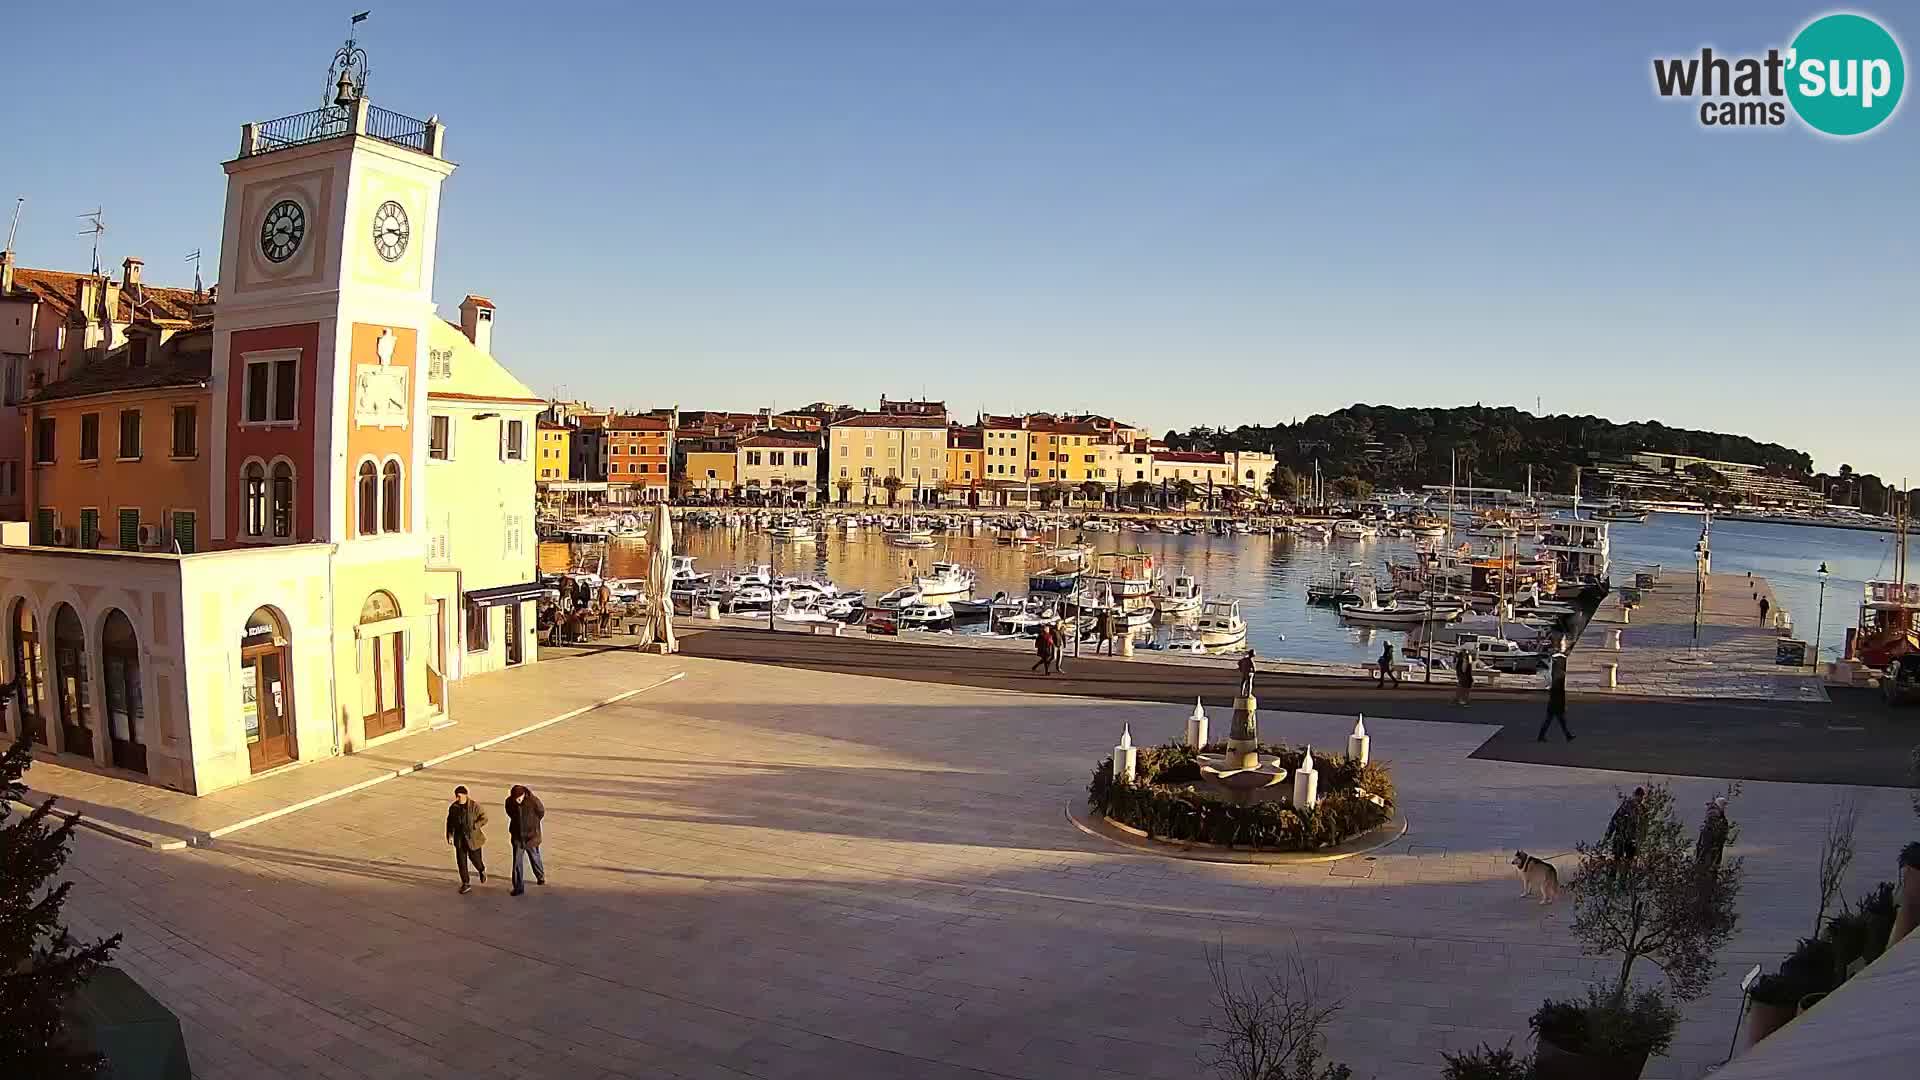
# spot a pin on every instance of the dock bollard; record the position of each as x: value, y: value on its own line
x: 1613, y: 674
x: 1613, y: 640
x: 1126, y: 644
x: 713, y: 611
x: 1626, y: 614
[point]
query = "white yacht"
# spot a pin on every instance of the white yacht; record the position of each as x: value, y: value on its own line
x: 911, y: 536
x: 1396, y: 613
x: 1183, y: 596
x: 796, y: 531
x: 1350, y: 529
x: 1220, y: 623
x: 1582, y: 552
x: 947, y: 580
x: 683, y: 575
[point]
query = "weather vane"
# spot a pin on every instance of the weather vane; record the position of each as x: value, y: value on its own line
x: 347, y: 75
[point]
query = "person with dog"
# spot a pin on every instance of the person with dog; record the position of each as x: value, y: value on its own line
x: 1623, y: 831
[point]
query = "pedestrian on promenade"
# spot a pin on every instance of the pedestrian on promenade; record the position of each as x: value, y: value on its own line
x: 1387, y: 670
x: 1105, y: 620
x: 1556, y: 696
x: 1043, y: 645
x: 1246, y: 675
x: 1463, y: 675
x: 524, y: 811
x: 466, y: 825
x: 1765, y: 605
x: 1623, y: 831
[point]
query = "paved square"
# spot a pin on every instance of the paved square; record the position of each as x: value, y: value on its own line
x: 763, y: 872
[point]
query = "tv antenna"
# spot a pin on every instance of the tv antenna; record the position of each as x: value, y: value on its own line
x: 15, y: 227
x: 194, y: 258
x: 96, y: 227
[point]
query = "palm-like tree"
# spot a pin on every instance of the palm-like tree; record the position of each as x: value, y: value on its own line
x: 892, y: 484
x: 1183, y: 490
x: 1093, y: 491
x: 1140, y: 490
x: 845, y: 485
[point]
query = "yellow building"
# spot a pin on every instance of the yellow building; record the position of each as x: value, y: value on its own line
x: 710, y: 473
x: 550, y: 452
x: 777, y: 466
x: 865, y: 452
x: 966, y: 465
x: 1044, y: 451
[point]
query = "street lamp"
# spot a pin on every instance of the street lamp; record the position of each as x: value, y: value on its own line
x: 1819, y: 617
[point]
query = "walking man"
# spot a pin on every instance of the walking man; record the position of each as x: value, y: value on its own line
x: 1462, y: 675
x: 1712, y: 844
x: 1557, y: 697
x: 1386, y: 666
x: 1765, y: 606
x: 466, y: 824
x: 524, y: 811
x: 1623, y: 831
x: 1043, y: 645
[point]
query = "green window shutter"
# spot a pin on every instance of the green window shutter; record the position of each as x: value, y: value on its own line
x: 89, y: 528
x: 43, y: 524
x: 129, y: 530
x: 183, y: 537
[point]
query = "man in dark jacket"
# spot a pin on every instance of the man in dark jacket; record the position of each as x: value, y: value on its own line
x: 1623, y: 831
x: 466, y: 825
x: 1556, y: 696
x: 524, y: 811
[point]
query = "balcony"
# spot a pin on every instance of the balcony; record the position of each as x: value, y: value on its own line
x: 359, y: 117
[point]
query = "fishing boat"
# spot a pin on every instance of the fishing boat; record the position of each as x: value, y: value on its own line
x: 796, y: 531
x: 926, y: 616
x: 1581, y: 553
x: 1339, y: 587
x: 977, y: 610
x: 1350, y: 529
x: 1180, y: 597
x: 682, y: 575
x: 911, y: 536
x: 900, y: 597
x: 1889, y: 623
x: 1621, y: 512
x: 1489, y: 651
x: 1022, y: 618
x: 946, y: 581
x: 1395, y: 613
x: 1220, y: 623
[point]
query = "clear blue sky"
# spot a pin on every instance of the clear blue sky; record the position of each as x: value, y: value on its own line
x: 1199, y: 212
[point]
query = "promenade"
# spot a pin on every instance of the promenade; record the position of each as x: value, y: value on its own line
x: 777, y: 872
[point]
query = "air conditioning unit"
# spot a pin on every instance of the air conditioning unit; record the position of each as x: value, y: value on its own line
x: 149, y: 536
x: 59, y: 536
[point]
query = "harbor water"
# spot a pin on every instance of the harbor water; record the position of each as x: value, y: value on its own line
x: 1269, y: 575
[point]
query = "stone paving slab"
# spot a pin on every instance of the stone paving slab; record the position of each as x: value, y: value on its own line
x: 787, y: 874
x: 1659, y: 655
x: 488, y: 708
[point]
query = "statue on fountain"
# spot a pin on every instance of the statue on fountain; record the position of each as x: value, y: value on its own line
x: 1246, y: 675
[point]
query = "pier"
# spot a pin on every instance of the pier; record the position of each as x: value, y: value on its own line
x: 1661, y: 654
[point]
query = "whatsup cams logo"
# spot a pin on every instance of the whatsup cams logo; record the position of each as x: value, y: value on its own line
x: 1842, y: 76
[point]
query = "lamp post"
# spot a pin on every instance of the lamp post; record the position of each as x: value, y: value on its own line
x: 1820, y: 615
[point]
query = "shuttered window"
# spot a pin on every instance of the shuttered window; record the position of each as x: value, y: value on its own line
x: 183, y: 531
x: 129, y: 530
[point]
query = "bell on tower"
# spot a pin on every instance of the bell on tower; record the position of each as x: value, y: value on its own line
x: 350, y: 64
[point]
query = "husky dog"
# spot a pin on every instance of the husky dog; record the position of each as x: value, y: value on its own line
x: 1537, y: 877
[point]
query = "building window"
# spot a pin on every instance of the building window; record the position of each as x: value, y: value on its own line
x: 43, y: 441
x: 90, y: 436
x: 89, y: 527
x: 515, y: 440
x: 369, y: 497
x: 753, y: 457
x: 254, y: 498
x: 184, y: 538
x: 777, y: 457
x: 439, y: 437
x: 129, y: 434
x: 800, y: 457
x: 283, y: 501
x: 270, y: 391
x: 390, y: 496
x: 186, y: 431
x: 129, y: 530
x: 869, y: 451
x: 478, y: 623
x: 843, y: 450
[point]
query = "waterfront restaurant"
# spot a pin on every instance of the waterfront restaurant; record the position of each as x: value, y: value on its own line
x: 228, y: 566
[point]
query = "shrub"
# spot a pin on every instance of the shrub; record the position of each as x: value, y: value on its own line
x: 1607, y: 1024
x: 1268, y: 1022
x: 1487, y: 1063
x: 1158, y: 803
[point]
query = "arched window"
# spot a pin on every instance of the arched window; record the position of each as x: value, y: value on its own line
x: 283, y: 500
x: 253, y: 496
x: 126, y: 717
x: 369, y: 499
x: 390, y: 497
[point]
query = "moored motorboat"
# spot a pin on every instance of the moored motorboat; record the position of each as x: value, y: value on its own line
x: 1181, y: 596
x: 926, y: 616
x: 1220, y: 623
x: 945, y: 581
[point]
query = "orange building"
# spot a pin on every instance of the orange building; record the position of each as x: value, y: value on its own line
x: 640, y: 455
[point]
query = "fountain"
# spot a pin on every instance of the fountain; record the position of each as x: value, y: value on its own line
x: 1241, y: 771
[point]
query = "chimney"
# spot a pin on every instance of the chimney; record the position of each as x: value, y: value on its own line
x: 130, y: 272
x: 6, y: 271
x: 476, y: 321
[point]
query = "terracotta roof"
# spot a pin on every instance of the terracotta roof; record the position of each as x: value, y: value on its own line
x: 477, y: 301
x: 60, y: 291
x: 1192, y: 457
x: 185, y: 359
x: 637, y: 423
x: 548, y: 425
x: 781, y: 439
x: 890, y: 420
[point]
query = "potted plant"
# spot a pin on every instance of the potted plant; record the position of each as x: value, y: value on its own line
x: 1771, y: 1002
x: 1909, y: 913
x: 1638, y: 894
x: 1486, y: 1063
x: 1877, y: 908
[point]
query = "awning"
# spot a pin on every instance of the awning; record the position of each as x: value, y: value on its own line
x: 504, y: 594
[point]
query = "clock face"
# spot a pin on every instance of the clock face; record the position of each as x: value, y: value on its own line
x: 282, y: 230
x: 390, y: 230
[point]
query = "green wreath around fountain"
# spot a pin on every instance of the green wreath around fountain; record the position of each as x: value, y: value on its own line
x: 1169, y: 800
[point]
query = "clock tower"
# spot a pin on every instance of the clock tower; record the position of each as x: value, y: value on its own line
x: 320, y: 333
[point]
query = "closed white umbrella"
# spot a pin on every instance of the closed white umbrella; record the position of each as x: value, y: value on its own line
x: 659, y: 582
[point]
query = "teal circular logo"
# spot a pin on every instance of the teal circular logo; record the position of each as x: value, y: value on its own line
x: 1845, y: 74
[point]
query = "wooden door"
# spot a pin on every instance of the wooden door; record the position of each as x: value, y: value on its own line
x: 388, y: 706
x: 513, y: 633
x: 266, y: 705
x: 27, y: 663
x: 76, y: 737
